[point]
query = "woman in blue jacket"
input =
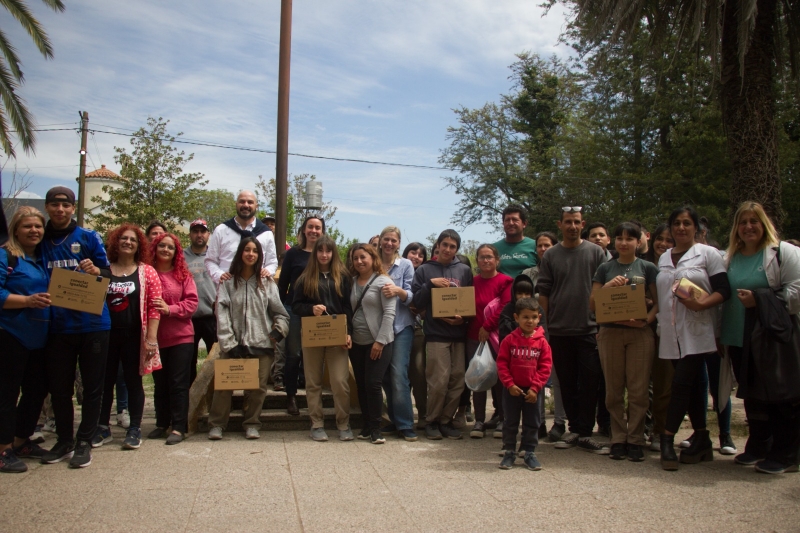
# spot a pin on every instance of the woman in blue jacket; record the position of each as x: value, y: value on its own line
x: 24, y: 321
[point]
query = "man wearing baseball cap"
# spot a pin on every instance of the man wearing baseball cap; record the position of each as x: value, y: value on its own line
x: 203, y: 320
x: 76, y: 338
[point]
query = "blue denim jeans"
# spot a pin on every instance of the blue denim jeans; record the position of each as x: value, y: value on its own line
x: 396, y: 383
x: 294, y: 352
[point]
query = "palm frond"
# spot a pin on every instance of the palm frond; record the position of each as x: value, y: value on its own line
x: 10, y: 53
x: 20, y: 11
x: 16, y: 111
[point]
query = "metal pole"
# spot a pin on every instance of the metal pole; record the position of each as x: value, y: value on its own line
x: 282, y: 151
x: 82, y: 174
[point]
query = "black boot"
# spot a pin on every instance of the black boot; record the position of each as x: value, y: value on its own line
x: 700, y: 450
x: 291, y: 405
x: 669, y: 461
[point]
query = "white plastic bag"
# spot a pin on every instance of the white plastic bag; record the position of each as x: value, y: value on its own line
x: 482, y: 372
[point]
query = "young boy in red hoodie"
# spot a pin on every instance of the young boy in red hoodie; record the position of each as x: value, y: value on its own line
x: 523, y: 366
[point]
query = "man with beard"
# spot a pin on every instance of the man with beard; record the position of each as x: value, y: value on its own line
x: 225, y: 240
x: 203, y: 320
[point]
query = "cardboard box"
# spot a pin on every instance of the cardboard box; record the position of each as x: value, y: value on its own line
x: 614, y: 304
x: 236, y: 374
x: 325, y: 330
x: 453, y: 301
x: 78, y: 291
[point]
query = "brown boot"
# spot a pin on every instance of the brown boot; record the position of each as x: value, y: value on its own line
x: 291, y: 405
x: 700, y: 450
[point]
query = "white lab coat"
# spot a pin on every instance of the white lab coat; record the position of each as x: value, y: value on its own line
x: 683, y: 331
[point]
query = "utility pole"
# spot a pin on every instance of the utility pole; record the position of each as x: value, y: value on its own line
x: 282, y: 151
x: 82, y: 172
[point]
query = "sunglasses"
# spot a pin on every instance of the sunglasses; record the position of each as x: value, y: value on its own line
x: 575, y: 209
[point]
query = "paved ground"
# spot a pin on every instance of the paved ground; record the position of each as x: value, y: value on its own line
x: 286, y: 482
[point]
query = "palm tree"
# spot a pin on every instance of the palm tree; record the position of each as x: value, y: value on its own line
x: 748, y: 40
x: 12, y: 106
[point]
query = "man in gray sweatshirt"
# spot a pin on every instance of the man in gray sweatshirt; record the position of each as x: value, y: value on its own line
x: 564, y: 287
x: 203, y: 320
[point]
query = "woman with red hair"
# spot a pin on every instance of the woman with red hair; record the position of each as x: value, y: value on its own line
x: 134, y: 328
x: 175, y: 338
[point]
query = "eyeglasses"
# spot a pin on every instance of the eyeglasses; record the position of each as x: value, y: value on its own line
x: 486, y: 258
x: 575, y: 209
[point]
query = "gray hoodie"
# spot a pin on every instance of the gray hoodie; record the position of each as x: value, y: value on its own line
x: 247, y: 315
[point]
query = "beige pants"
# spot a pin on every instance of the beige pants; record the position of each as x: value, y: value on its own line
x: 444, y: 372
x: 627, y: 358
x: 338, y: 363
x: 253, y: 399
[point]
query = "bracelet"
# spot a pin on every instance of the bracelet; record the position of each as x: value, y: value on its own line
x: 152, y: 343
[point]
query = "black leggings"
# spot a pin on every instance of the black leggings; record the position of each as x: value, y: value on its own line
x: 171, y: 394
x: 369, y: 375
x: 124, y: 346
x: 22, y: 369
x: 688, y: 392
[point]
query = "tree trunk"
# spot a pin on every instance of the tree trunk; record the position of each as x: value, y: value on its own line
x: 748, y: 110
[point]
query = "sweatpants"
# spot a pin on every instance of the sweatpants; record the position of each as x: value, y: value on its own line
x: 444, y: 372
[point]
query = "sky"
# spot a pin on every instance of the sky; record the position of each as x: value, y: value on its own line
x: 371, y: 80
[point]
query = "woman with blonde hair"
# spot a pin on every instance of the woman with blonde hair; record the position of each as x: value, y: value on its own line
x: 760, y: 266
x: 24, y: 321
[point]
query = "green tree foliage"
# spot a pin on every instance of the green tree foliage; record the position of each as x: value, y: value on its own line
x: 216, y: 205
x: 12, y: 106
x: 154, y: 186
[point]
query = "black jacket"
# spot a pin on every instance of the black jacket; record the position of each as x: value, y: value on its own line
x: 334, y: 304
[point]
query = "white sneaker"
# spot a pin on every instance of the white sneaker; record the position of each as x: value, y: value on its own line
x: 215, y: 433
x: 49, y: 425
x: 124, y: 419
x: 252, y: 433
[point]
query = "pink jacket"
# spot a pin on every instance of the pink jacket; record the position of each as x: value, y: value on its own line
x: 181, y: 297
x: 524, y: 361
x: 150, y: 287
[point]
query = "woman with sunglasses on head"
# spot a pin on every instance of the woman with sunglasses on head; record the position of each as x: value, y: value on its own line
x: 294, y: 263
x: 662, y: 372
x: 178, y: 302
x: 417, y: 254
x: 373, y: 336
x: 761, y: 268
x: 691, y: 283
x: 24, y: 322
x: 396, y: 380
x: 324, y: 289
x: 250, y: 320
x: 133, y: 342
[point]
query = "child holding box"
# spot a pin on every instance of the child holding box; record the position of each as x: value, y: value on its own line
x: 523, y: 366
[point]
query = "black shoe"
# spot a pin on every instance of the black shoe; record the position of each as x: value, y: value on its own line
x: 62, y: 450
x: 175, y: 438
x: 432, y: 431
x: 590, y: 445
x: 492, y: 422
x: 542, y: 430
x: 747, y: 459
x: 509, y: 458
x: 635, y: 453
x: 278, y: 386
x: 700, y: 450
x: 82, y: 456
x: 291, y: 405
x: 389, y: 429
x: 618, y: 451
x: 726, y: 445
x: 604, y: 431
x: 10, y: 464
x: 376, y: 437
x: 133, y: 439
x: 30, y: 449
x: 449, y: 431
x: 158, y: 433
x: 556, y: 432
x: 669, y: 461
x: 365, y: 434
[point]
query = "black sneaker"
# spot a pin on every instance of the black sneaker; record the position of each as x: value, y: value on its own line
x: 726, y: 445
x: 10, y: 464
x: 389, y: 429
x: 509, y: 457
x: 449, y: 431
x: 588, y: 444
x: 635, y: 453
x: 567, y: 441
x: 158, y: 433
x: 747, y: 459
x: 175, y: 438
x: 432, y: 431
x: 101, y: 436
x: 492, y: 422
x: 618, y: 451
x: 556, y: 432
x: 133, y: 439
x: 62, y: 450
x: 376, y: 437
x: 30, y: 449
x: 532, y: 462
x: 365, y: 434
x: 83, y: 455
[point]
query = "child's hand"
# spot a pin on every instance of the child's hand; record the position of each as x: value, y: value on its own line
x: 515, y: 391
x: 531, y: 397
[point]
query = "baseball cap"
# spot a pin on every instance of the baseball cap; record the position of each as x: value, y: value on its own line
x: 54, y: 194
x: 198, y: 223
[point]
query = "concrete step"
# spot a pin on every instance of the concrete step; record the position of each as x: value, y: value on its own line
x: 279, y: 420
x: 277, y: 400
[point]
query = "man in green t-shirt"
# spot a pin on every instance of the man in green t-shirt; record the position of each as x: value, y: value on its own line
x: 517, y: 252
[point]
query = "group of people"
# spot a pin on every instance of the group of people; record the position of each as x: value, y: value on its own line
x: 535, y: 312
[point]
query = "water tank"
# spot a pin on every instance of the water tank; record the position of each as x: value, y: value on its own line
x: 313, y: 194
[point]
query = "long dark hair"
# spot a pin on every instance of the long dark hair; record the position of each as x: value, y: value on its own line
x: 301, y: 238
x: 414, y: 246
x: 237, y: 265
x: 308, y: 281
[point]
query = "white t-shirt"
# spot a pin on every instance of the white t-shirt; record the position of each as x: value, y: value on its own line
x: 683, y: 331
x: 223, y: 245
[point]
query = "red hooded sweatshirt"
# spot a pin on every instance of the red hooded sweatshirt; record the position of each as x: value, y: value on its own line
x: 525, y: 361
